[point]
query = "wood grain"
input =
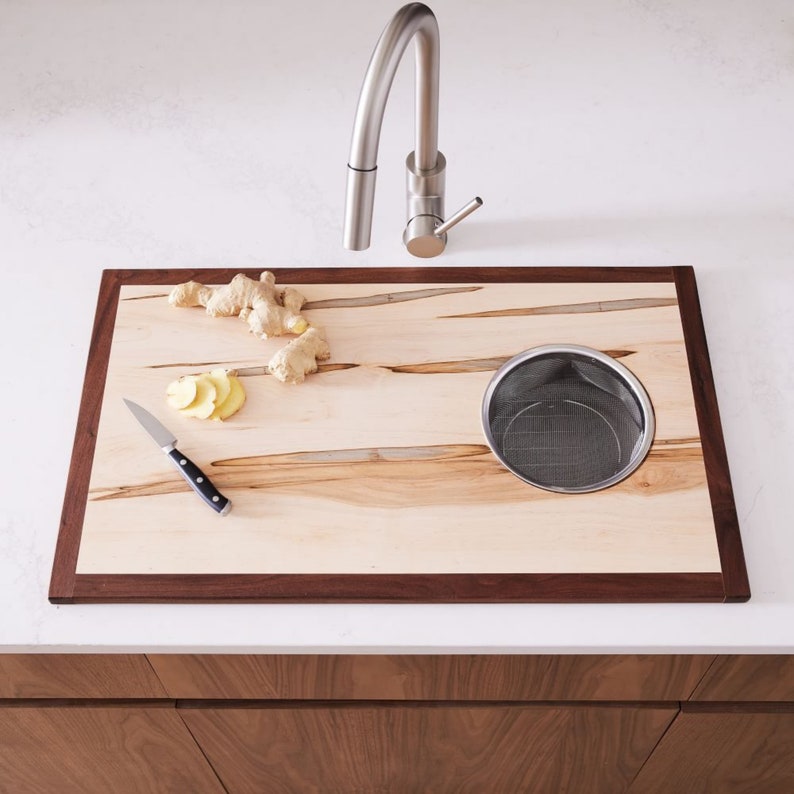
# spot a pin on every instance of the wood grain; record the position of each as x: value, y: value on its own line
x: 753, y: 678
x: 308, y: 502
x: 387, y: 476
x: 582, y: 307
x: 427, y: 748
x: 96, y: 750
x: 468, y: 677
x: 712, y: 753
x: 78, y: 675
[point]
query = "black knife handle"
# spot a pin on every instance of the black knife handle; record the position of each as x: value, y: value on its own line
x: 200, y: 483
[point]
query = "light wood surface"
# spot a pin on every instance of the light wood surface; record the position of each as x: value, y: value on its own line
x: 378, y: 463
x: 427, y: 748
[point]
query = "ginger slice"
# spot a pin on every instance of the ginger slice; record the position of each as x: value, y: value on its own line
x: 204, y: 403
x: 233, y: 402
x: 299, y: 358
x: 181, y: 393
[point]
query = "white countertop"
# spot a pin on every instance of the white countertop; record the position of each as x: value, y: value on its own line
x: 215, y: 133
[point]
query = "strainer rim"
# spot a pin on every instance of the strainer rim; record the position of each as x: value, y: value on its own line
x: 622, y: 372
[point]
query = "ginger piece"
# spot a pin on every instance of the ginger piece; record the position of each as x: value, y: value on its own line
x: 211, y: 395
x: 233, y: 402
x: 266, y: 319
x: 181, y: 393
x: 191, y: 293
x: 267, y: 310
x: 222, y: 382
x: 299, y: 358
x: 204, y: 403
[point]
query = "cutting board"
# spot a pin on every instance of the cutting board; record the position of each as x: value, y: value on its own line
x: 372, y: 480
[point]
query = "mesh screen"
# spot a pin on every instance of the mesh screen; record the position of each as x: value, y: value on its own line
x: 564, y: 421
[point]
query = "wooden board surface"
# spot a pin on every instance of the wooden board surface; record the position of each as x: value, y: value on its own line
x: 377, y: 466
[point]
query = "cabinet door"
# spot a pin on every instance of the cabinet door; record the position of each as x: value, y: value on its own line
x: 428, y: 747
x: 721, y: 752
x: 748, y: 678
x: 491, y: 677
x: 78, y: 675
x: 99, y: 750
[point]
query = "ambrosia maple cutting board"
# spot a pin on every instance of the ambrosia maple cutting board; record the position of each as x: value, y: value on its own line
x: 372, y: 479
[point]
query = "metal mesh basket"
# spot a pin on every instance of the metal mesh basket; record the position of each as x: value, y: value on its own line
x: 567, y: 418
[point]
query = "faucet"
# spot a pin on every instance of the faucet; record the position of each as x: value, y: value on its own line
x: 426, y: 232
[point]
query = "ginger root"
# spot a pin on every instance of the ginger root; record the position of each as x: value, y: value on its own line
x: 267, y: 310
x: 299, y: 358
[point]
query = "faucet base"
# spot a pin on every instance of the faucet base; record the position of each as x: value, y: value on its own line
x: 425, y: 189
x: 425, y: 197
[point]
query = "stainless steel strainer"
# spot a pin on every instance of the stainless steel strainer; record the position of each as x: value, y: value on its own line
x: 567, y: 418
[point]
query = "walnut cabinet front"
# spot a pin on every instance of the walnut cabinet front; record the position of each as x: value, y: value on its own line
x: 396, y: 723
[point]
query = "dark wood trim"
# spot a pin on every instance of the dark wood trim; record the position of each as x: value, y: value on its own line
x: 403, y: 275
x: 406, y: 588
x: 715, y: 456
x: 732, y: 707
x: 57, y: 703
x: 265, y: 703
x: 74, y: 504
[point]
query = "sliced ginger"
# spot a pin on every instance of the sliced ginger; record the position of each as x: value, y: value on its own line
x: 222, y: 383
x: 204, y: 403
x: 181, y: 393
x: 233, y: 402
x: 216, y: 395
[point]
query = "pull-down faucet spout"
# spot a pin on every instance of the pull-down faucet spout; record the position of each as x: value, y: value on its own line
x: 426, y: 164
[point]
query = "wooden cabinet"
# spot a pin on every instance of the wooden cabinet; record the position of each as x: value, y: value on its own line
x: 723, y: 751
x: 428, y: 747
x: 409, y: 723
x: 457, y: 677
x: 80, y: 749
x: 762, y: 678
x: 78, y: 675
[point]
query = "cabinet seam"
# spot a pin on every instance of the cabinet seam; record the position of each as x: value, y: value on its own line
x: 654, y: 748
x: 201, y: 750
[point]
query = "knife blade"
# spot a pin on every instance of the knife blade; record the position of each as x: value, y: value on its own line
x: 192, y: 474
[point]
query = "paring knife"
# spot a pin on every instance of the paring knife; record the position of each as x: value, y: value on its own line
x: 194, y: 476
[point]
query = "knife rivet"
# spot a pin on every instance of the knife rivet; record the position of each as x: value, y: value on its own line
x: 199, y: 479
x: 215, y: 498
x: 183, y: 462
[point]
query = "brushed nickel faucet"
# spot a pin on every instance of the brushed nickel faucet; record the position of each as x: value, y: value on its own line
x: 426, y: 232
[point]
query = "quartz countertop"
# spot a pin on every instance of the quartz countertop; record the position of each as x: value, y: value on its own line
x: 215, y: 134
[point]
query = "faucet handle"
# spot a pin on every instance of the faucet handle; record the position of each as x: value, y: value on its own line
x: 457, y: 217
x: 426, y: 235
